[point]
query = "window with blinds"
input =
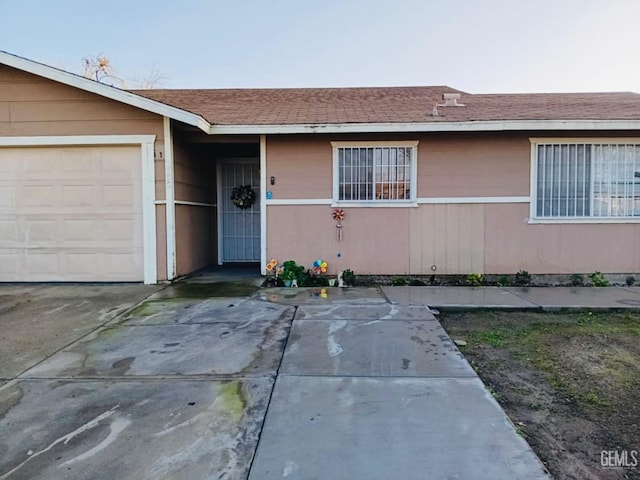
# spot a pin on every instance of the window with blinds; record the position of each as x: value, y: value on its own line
x: 587, y: 180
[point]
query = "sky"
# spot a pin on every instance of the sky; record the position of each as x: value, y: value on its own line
x: 478, y: 46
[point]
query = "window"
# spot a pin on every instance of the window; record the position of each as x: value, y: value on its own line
x: 576, y: 180
x: 375, y: 172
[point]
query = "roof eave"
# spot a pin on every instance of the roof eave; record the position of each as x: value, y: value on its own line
x: 439, y: 126
x: 103, y: 90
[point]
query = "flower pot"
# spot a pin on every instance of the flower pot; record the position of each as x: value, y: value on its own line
x: 332, y: 282
x: 287, y: 283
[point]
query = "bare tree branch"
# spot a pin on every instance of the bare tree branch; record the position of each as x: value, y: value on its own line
x: 154, y: 78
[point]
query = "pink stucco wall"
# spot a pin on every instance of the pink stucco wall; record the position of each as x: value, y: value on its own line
x: 494, y: 238
x: 374, y: 240
x: 473, y: 166
x: 301, y: 166
x: 512, y: 244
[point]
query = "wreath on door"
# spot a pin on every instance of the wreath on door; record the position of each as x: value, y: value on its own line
x: 243, y: 196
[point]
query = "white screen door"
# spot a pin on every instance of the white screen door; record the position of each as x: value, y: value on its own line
x: 239, y: 228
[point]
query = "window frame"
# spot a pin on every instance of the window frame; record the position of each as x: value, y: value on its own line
x: 533, y: 182
x: 412, y: 201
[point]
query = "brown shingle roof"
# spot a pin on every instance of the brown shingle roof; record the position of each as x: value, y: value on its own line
x: 313, y: 106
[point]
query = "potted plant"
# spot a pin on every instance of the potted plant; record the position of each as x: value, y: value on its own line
x: 287, y: 277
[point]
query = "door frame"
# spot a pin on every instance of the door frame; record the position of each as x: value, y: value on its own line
x: 220, y: 213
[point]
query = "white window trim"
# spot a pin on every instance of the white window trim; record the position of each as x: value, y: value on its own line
x: 535, y: 141
x: 412, y: 202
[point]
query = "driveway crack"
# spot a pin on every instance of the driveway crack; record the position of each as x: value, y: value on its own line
x: 273, y: 387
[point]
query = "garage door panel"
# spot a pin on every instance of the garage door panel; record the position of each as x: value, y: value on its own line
x: 7, y: 198
x: 82, y: 264
x: 8, y: 231
x: 37, y: 231
x: 70, y: 265
x: 118, y: 196
x: 8, y: 267
x: 38, y: 196
x: 42, y: 263
x: 78, y: 195
x: 71, y: 214
x: 37, y: 163
x: 115, y: 164
x: 40, y: 231
x: 10, y: 164
x: 116, y: 264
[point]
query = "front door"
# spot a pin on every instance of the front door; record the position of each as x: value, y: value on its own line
x: 239, y: 228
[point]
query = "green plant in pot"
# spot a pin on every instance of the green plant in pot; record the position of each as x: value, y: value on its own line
x: 287, y: 277
x: 293, y: 271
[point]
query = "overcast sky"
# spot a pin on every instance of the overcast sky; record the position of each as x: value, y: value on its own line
x: 474, y: 45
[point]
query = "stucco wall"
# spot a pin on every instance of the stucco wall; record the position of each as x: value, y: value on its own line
x: 301, y: 166
x: 194, y: 182
x: 491, y: 238
x: 473, y: 166
x: 374, y: 240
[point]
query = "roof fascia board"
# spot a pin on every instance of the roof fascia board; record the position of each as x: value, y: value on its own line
x: 473, y: 126
x: 101, y: 89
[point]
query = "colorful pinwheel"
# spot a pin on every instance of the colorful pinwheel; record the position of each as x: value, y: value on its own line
x: 319, y: 266
x: 338, y: 214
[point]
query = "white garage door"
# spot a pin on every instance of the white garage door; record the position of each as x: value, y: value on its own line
x: 70, y: 214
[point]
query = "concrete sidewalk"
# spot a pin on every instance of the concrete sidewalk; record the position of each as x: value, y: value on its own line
x: 517, y: 298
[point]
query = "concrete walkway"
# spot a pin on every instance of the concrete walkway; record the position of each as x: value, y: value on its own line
x: 368, y: 389
x: 517, y: 298
x: 290, y: 383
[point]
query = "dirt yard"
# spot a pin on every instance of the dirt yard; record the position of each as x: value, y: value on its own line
x: 569, y: 381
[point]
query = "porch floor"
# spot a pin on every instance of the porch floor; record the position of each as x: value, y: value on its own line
x: 249, y: 273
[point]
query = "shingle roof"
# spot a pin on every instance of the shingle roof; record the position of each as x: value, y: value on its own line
x: 311, y: 106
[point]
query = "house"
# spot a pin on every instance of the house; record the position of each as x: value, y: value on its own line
x: 103, y: 184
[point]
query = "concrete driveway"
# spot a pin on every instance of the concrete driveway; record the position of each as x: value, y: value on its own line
x: 325, y: 384
x: 38, y: 320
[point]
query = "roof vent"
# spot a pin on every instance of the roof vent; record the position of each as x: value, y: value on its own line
x: 451, y: 100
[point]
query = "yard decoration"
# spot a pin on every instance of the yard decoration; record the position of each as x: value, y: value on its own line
x: 338, y: 215
x: 319, y: 266
x: 243, y: 196
x: 271, y: 266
